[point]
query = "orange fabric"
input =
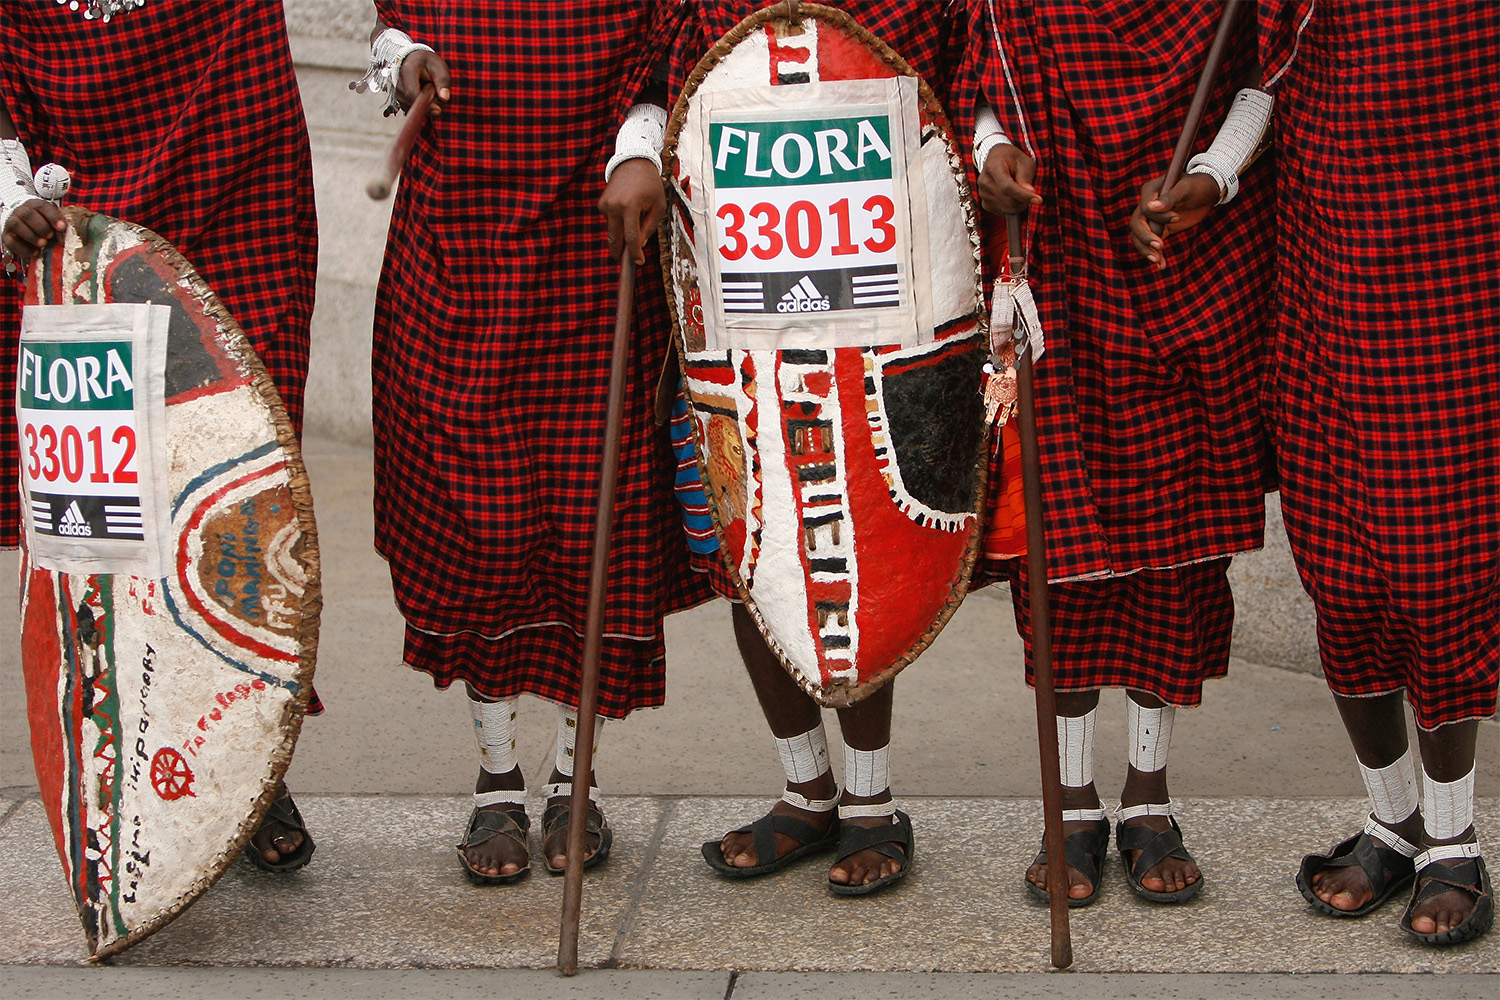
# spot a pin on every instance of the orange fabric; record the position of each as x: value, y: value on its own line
x: 1005, y: 535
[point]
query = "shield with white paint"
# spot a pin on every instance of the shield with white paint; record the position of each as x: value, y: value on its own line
x: 824, y: 281
x: 170, y: 590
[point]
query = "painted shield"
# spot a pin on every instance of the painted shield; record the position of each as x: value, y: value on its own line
x: 170, y: 591
x: 824, y: 281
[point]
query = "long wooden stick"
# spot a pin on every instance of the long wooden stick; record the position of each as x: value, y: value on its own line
x: 1041, y: 633
x: 593, y: 635
x: 379, y: 185
x: 1200, y: 100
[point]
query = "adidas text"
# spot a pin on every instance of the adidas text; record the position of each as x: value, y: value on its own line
x: 802, y: 305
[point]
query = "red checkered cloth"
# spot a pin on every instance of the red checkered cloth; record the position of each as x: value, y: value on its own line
x: 1164, y: 632
x: 1384, y: 390
x: 182, y: 116
x: 1152, y: 451
x: 492, y: 338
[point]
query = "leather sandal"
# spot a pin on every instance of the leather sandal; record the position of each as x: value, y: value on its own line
x: 1083, y: 850
x: 1435, y: 876
x: 810, y: 840
x: 284, y: 811
x: 1151, y: 848
x: 894, y: 840
x: 557, y: 816
x: 1385, y: 859
x: 484, y: 826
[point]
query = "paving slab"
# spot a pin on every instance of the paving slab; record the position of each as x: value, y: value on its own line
x: 383, y: 891
x: 951, y: 915
x: 360, y: 984
x: 656, y: 905
x: 1071, y: 985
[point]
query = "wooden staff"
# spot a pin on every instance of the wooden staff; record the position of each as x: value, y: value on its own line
x: 378, y: 186
x: 1200, y: 101
x: 593, y: 634
x: 1041, y: 631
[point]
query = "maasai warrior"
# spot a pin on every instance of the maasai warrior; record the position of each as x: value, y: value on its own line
x: 491, y: 365
x: 1383, y: 396
x: 184, y: 117
x: 1154, y: 466
x: 872, y: 839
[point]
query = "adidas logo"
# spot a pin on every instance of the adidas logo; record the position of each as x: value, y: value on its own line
x: 72, y: 522
x: 803, y: 297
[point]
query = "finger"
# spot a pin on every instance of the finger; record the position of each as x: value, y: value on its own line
x: 616, y: 234
x: 31, y: 227
x: 633, y: 238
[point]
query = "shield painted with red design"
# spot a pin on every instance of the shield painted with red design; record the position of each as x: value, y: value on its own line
x: 170, y: 587
x: 824, y: 280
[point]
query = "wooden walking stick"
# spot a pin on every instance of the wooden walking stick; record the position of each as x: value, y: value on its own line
x: 593, y: 634
x: 1200, y: 100
x: 378, y: 186
x: 1041, y: 622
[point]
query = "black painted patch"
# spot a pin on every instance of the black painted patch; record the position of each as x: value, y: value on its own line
x: 935, y: 420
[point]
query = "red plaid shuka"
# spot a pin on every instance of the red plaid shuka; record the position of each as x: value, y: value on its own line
x: 1164, y: 631
x: 1384, y: 389
x: 1152, y: 451
x: 493, y: 326
x: 182, y: 116
x: 1154, y: 463
x: 917, y: 30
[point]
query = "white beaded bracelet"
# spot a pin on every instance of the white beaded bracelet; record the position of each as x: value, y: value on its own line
x: 987, y: 135
x: 1237, y: 144
x: 387, y: 52
x: 640, y: 137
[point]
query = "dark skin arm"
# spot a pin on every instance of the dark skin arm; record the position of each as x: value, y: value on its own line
x: 31, y: 226
x: 419, y: 69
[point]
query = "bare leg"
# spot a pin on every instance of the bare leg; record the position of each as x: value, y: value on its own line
x: 498, y: 855
x: 1072, y: 705
x: 789, y: 712
x: 1447, y: 755
x: 1377, y: 728
x: 1172, y: 874
x: 866, y: 726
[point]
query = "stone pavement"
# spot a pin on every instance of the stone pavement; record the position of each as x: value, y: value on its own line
x: 1262, y: 774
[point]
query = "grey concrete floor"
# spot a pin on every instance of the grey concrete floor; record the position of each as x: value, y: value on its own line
x: 1262, y: 773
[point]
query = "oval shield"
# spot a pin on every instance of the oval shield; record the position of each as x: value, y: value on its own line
x: 823, y: 273
x: 170, y: 587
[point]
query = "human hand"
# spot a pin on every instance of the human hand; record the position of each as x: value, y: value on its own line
x: 634, y: 203
x: 31, y: 227
x: 1005, y: 186
x: 1186, y: 205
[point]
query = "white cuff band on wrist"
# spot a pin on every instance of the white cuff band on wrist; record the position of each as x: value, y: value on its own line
x: 987, y: 135
x: 15, y: 178
x: 640, y: 137
x: 1234, y: 148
